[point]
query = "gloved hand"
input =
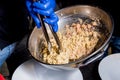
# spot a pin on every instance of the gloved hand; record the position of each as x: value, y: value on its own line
x: 45, y: 8
x: 6, y: 52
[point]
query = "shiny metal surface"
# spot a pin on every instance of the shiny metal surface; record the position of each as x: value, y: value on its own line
x: 67, y: 16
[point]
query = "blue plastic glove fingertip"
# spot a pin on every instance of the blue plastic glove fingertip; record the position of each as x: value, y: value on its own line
x: 38, y: 26
x: 55, y: 28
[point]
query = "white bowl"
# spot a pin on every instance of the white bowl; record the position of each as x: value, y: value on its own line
x: 109, y: 67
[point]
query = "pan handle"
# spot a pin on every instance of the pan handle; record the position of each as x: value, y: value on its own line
x: 95, y: 57
x: 92, y: 59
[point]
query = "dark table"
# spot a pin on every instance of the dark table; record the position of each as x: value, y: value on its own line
x: 90, y: 72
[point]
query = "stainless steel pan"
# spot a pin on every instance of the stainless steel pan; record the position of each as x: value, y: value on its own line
x: 67, y: 16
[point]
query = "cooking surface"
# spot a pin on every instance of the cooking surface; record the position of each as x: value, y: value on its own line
x: 90, y: 72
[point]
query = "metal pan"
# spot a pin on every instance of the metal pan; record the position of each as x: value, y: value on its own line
x: 68, y: 16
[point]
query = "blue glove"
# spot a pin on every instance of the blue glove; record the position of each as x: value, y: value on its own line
x: 45, y: 8
x: 6, y: 52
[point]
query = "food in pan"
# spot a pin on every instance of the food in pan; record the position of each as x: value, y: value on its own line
x: 77, y: 40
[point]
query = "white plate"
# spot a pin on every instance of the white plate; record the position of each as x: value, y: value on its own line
x: 109, y: 67
x: 32, y: 70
